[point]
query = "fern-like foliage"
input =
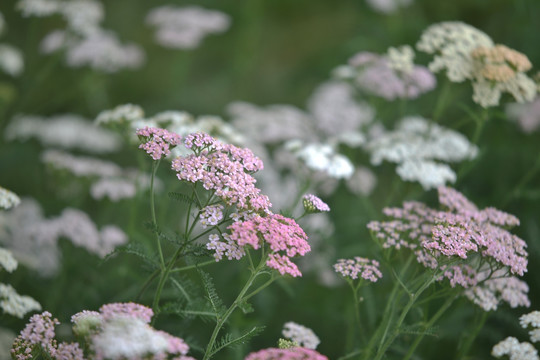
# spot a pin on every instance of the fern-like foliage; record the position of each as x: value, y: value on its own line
x: 182, y: 198
x: 197, y: 309
x: 134, y: 249
x: 211, y: 293
x: 230, y: 341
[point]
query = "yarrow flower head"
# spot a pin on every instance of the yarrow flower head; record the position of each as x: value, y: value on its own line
x: 531, y: 321
x: 8, y: 199
x: 158, y: 142
x: 359, y: 268
x: 223, y: 168
x: 515, y: 350
x: 313, y: 204
x: 14, y: 304
x: 283, y: 236
x: 301, y: 335
x: 7, y: 261
x: 467, y: 53
x: 295, y: 353
x: 38, y: 332
x: 461, y: 231
x: 391, y: 77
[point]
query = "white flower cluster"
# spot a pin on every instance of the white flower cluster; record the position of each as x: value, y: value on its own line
x: 467, y: 53
x: 185, y: 27
x: 322, y: 157
x: 65, y: 131
x: 11, y: 60
x: 8, y: 199
x: 531, y: 319
x: 388, y: 6
x: 14, y: 304
x: 7, y: 261
x: 515, y: 350
x: 300, y: 334
x: 84, y: 41
x: 401, y: 58
x: 526, y: 115
x: 417, y: 146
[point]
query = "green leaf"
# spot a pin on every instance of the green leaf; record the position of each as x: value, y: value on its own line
x: 198, y: 309
x: 229, y: 341
x: 245, y: 307
x: 133, y: 249
x: 213, y: 298
x: 182, y: 197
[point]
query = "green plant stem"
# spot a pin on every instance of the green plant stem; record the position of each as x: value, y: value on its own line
x: 189, y: 267
x: 221, y: 320
x: 155, y: 166
x: 385, y: 344
x: 429, y: 324
x: 463, y: 350
x: 441, y: 101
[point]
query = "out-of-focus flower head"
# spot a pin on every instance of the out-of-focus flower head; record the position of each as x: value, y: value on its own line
x: 388, y: 6
x: 359, y: 267
x: 301, y: 335
x: 391, y: 76
x: 65, y: 131
x: 467, y: 53
x: 313, y: 204
x: 294, y: 353
x: 185, y: 27
x: 512, y: 348
x: 526, y: 115
x: 8, y: 199
x: 454, y: 239
x: 14, y: 304
x: 421, y: 149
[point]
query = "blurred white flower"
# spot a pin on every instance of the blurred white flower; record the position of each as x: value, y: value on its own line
x: 11, y: 60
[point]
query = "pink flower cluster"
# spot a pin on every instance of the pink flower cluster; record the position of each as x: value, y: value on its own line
x: 376, y: 77
x: 39, y: 334
x: 460, y: 231
x: 353, y: 268
x: 224, y: 169
x: 313, y: 204
x: 296, y: 353
x: 282, y: 235
x: 158, y: 142
x: 130, y: 309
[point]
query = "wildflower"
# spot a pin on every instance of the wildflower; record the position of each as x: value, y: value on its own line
x: 284, y: 237
x: 531, y: 320
x: 185, y: 27
x: 323, y: 157
x: 211, y: 215
x: 114, y: 189
x: 301, y: 335
x: 469, y: 54
x: 86, y: 322
x: 313, y: 204
x: 415, y: 145
x: 526, y: 115
x: 80, y: 166
x: 15, y: 304
x: 352, y: 268
x: 11, y: 60
x: 7, y: 261
x: 38, y: 332
x: 392, y: 76
x: 158, y: 142
x: 461, y: 231
x: 223, y: 168
x: 515, y: 350
x: 296, y: 353
x: 8, y: 199
x: 65, y: 131
x: 388, y: 6
x: 126, y: 113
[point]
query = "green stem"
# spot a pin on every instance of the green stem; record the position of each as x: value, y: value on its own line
x: 189, y: 267
x: 221, y: 320
x: 155, y: 166
x: 470, y: 339
x: 385, y: 344
x: 429, y: 324
x: 441, y: 101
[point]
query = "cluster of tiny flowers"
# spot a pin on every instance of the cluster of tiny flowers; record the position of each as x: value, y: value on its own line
x: 359, y: 267
x: 224, y: 169
x: 84, y: 41
x: 185, y: 27
x: 158, y: 142
x: 417, y: 146
x: 467, y: 53
x: 388, y: 6
x: 80, y: 166
x: 390, y: 77
x: 228, y: 247
x: 322, y: 158
x: 11, y: 60
x: 211, y: 215
x: 126, y: 113
x: 295, y: 353
x: 8, y: 199
x: 7, y: 261
x: 14, y: 304
x: 456, y: 231
x: 312, y: 204
x: 65, y: 131
x: 38, y: 333
x: 526, y: 115
x: 515, y: 350
x: 282, y: 235
x: 301, y: 335
x: 531, y: 320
